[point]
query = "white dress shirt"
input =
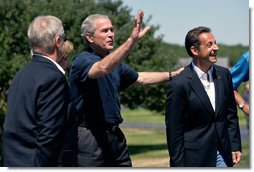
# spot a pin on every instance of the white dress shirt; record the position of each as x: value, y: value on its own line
x: 207, y: 81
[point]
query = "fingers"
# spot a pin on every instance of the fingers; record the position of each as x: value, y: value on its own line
x: 181, y: 69
x: 236, y: 156
x: 135, y: 22
x: 178, y: 71
x: 142, y: 32
x: 138, y: 19
x: 137, y: 31
x: 147, y: 28
x: 140, y: 16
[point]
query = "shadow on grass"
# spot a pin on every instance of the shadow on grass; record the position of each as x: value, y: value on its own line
x: 137, y: 149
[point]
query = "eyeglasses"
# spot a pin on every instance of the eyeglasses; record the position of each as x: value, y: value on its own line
x: 63, y: 37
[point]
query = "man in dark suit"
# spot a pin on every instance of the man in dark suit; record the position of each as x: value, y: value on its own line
x: 39, y: 128
x: 201, y: 116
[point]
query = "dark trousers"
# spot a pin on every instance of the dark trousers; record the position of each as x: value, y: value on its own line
x: 102, y: 147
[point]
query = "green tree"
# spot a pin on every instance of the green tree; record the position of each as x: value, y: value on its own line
x: 16, y: 16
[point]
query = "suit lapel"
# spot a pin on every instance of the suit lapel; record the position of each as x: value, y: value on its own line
x: 199, y: 90
x: 218, y: 89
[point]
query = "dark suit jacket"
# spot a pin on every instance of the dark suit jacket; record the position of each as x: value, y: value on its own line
x: 194, y: 130
x: 37, y: 123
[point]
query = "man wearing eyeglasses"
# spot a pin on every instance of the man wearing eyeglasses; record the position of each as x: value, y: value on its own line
x: 201, y: 117
x: 39, y: 128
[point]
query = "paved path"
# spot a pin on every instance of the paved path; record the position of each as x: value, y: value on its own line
x: 243, y: 130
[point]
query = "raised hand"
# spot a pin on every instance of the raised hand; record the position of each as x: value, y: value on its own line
x: 137, y: 31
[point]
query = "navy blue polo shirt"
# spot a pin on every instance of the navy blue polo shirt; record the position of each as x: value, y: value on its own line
x: 97, y: 100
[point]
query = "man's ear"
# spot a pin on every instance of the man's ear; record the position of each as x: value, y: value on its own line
x: 194, y: 50
x: 57, y: 41
x: 89, y: 37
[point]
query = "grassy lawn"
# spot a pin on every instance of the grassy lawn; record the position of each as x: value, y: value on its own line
x: 148, y: 147
x: 143, y: 116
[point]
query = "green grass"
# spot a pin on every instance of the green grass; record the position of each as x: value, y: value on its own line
x: 245, y: 159
x: 148, y: 147
x: 143, y: 116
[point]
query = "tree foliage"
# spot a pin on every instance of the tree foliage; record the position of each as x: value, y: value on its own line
x: 150, y: 54
x: 16, y: 16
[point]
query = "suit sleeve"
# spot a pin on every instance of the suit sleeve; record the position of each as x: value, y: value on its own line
x: 175, y: 110
x: 52, y: 108
x: 68, y: 154
x: 233, y: 126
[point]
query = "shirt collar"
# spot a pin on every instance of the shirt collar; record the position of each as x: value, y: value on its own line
x: 57, y: 65
x: 202, y: 75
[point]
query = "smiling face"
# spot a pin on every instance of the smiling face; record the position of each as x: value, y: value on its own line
x: 208, y: 47
x: 102, y: 41
x: 206, y: 53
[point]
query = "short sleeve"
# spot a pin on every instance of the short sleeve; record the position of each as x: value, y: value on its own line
x: 127, y: 76
x: 82, y: 64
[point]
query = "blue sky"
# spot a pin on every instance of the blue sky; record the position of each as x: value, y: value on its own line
x: 228, y: 19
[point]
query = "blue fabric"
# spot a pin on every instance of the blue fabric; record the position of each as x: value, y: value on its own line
x: 240, y: 71
x: 97, y: 100
x: 220, y: 161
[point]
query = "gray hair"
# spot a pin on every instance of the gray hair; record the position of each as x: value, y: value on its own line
x: 42, y: 31
x: 88, y: 25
